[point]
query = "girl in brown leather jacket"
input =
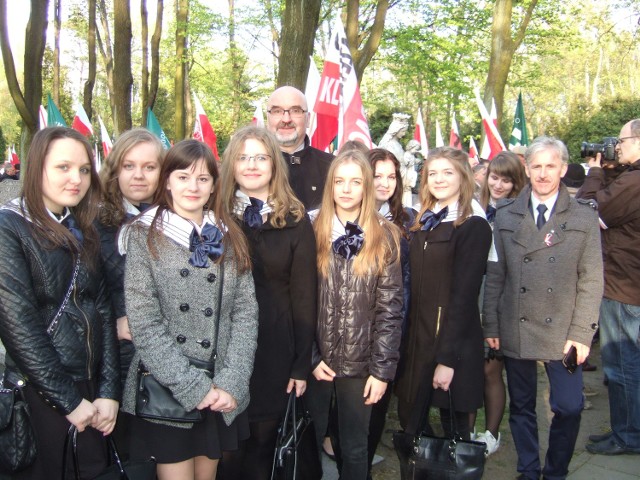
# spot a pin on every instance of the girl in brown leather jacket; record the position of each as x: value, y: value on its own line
x: 359, y: 308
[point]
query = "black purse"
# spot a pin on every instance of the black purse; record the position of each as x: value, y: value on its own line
x: 119, y: 470
x: 17, y: 439
x: 155, y: 401
x: 428, y: 457
x: 296, y: 454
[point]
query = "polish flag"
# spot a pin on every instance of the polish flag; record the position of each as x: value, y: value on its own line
x: 42, y: 115
x: 14, y: 156
x: 81, y: 122
x: 420, y: 134
x: 439, y: 139
x: 339, y: 105
x: 106, y: 140
x: 311, y: 92
x: 454, y: 136
x: 96, y: 157
x: 493, y: 142
x: 258, y: 118
x: 202, y: 129
x: 473, y: 150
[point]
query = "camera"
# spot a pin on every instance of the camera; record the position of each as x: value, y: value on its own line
x: 607, y: 148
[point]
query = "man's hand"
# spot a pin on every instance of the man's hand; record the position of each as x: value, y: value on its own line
x: 581, y: 350
x: 323, y: 372
x: 493, y: 343
x: 595, y: 162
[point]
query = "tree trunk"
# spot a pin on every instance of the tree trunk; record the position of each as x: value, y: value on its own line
x: 123, y: 81
x: 26, y: 103
x: 144, y: 79
x: 106, y: 53
x: 155, y: 57
x: 275, y: 36
x: 91, y: 79
x: 236, y: 67
x: 57, y: 20
x: 362, y: 56
x: 182, y: 17
x: 503, y: 47
x: 298, y: 33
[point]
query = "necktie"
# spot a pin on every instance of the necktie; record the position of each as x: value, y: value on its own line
x: 491, y: 213
x: 541, y: 220
x: 72, y: 225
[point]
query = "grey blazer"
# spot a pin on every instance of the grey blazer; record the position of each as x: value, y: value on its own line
x: 547, y: 284
x: 171, y: 307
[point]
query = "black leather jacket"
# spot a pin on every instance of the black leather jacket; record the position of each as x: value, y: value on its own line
x: 33, y: 284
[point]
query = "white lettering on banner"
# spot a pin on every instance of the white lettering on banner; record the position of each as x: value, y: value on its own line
x: 329, y: 91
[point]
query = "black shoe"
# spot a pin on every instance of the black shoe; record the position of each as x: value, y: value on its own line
x: 609, y: 447
x: 600, y: 437
x: 332, y: 457
x: 522, y: 476
x: 587, y: 367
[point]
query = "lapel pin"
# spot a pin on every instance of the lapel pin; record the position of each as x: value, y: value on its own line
x: 548, y: 238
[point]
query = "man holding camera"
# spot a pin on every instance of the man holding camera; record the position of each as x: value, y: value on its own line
x: 619, y: 212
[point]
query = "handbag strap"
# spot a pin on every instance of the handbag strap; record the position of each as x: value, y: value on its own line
x: 56, y: 319
x: 218, y: 307
x: 72, y: 439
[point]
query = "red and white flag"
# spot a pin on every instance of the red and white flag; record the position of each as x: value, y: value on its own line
x: 311, y: 92
x: 339, y: 105
x: 42, y: 116
x: 258, y: 117
x: 81, y: 122
x: 454, y: 136
x: 493, y: 143
x: 439, y: 139
x: 420, y: 134
x: 473, y: 150
x: 106, y: 140
x: 14, y: 156
x: 202, y: 129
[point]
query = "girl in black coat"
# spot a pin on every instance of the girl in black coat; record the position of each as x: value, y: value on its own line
x: 443, y: 345
x: 256, y: 190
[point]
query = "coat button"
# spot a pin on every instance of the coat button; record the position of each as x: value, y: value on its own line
x: 184, y: 272
x: 181, y: 339
x: 552, y: 259
x: 548, y: 320
x: 549, y: 290
x: 208, y: 311
x: 204, y: 343
x: 184, y: 307
x: 211, y: 277
x: 523, y: 290
x: 594, y: 326
x: 522, y: 319
x: 527, y: 259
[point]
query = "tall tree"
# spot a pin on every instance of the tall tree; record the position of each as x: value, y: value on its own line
x: 182, y: 18
x: 123, y: 81
x: 503, y: 46
x: 57, y: 22
x: 91, y: 45
x: 155, y: 56
x: 27, y: 102
x: 144, y: 79
x: 106, y: 52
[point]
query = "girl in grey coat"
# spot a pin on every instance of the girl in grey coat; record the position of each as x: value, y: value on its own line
x: 177, y: 254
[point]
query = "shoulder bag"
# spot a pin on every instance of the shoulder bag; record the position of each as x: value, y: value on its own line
x: 155, y: 401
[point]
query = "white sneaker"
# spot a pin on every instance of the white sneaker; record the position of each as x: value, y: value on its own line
x: 488, y: 438
x: 474, y: 435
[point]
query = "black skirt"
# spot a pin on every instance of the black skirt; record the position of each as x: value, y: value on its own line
x: 169, y: 444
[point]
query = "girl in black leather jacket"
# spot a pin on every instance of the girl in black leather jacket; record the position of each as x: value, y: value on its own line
x: 68, y: 356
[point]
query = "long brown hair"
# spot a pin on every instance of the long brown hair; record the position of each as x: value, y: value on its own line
x: 381, y: 237
x: 182, y: 156
x: 460, y: 162
x: 281, y: 197
x: 398, y: 213
x: 113, y: 212
x: 47, y: 232
x: 505, y: 164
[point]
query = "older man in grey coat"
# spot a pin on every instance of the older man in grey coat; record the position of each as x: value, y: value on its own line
x: 541, y: 300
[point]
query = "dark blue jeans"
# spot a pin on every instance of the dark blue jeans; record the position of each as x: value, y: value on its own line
x: 566, y: 404
x: 620, y: 349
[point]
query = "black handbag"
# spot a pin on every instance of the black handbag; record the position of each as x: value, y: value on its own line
x: 155, y: 401
x: 119, y: 470
x: 296, y: 454
x: 428, y: 457
x: 17, y: 439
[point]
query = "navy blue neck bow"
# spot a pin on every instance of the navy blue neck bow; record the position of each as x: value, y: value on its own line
x: 349, y: 245
x: 252, y: 216
x: 430, y: 220
x: 491, y: 213
x: 141, y: 208
x: 206, y: 245
x: 72, y: 225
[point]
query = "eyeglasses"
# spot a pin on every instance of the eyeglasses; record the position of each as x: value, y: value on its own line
x: 293, y: 111
x: 622, y: 139
x: 261, y: 158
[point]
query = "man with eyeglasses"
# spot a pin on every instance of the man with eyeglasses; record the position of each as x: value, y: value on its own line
x: 619, y: 211
x: 287, y: 118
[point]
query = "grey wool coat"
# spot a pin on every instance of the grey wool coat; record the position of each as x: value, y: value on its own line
x: 171, y: 308
x: 547, y: 284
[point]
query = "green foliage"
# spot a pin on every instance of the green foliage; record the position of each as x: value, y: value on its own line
x: 3, y: 144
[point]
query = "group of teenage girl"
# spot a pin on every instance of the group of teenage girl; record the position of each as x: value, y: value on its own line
x: 167, y: 257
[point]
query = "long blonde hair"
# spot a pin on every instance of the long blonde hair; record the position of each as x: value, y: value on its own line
x: 460, y: 162
x: 381, y: 237
x: 281, y: 197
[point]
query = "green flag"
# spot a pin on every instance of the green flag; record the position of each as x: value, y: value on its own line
x: 54, y: 117
x: 154, y: 127
x: 519, y: 135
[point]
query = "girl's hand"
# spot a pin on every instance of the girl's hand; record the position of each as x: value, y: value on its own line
x: 122, y: 326
x: 323, y: 372
x: 442, y: 377
x: 299, y: 385
x: 83, y: 415
x: 374, y: 390
x: 225, y: 403
x: 105, y: 420
x: 210, y: 398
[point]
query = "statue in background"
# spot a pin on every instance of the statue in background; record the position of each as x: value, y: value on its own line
x: 408, y: 171
x: 391, y: 140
